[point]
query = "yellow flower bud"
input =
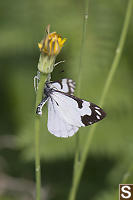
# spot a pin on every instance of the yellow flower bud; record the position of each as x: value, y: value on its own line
x: 50, y: 47
x: 52, y: 44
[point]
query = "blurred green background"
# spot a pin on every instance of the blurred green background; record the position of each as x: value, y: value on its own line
x: 22, y: 26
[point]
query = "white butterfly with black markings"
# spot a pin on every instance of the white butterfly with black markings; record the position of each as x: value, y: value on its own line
x: 66, y: 113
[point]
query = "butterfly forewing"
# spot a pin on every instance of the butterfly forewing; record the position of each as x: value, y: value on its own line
x: 89, y: 112
x: 75, y: 111
x: 97, y: 114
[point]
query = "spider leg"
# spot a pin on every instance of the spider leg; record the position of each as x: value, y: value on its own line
x: 36, y: 81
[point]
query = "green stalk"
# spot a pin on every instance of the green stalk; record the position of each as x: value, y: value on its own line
x: 82, y: 51
x: 43, y: 79
x: 114, y: 66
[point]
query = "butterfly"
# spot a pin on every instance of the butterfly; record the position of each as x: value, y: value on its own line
x: 66, y: 113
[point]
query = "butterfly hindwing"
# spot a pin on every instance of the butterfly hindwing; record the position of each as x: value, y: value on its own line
x: 64, y: 85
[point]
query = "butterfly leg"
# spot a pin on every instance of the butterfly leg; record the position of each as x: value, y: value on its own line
x: 40, y: 106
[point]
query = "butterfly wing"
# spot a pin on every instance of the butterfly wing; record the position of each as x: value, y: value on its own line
x: 56, y: 124
x: 64, y: 85
x: 76, y: 110
x: 66, y: 113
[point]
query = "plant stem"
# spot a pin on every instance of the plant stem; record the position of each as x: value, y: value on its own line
x: 110, y: 76
x: 82, y: 50
x: 43, y: 79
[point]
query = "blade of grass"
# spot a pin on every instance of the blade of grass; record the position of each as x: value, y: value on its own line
x: 43, y: 79
x: 110, y: 76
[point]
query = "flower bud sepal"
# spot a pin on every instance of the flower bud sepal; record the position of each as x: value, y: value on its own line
x: 46, y: 63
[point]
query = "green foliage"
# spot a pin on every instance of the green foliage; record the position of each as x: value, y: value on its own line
x: 22, y: 27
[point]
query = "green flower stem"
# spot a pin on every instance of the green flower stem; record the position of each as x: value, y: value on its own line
x: 114, y: 66
x: 43, y: 79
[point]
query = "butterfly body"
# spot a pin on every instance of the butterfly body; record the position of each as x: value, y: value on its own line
x: 66, y: 113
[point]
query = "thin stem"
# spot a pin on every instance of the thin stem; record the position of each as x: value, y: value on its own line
x: 43, y: 79
x: 82, y: 50
x: 114, y: 66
